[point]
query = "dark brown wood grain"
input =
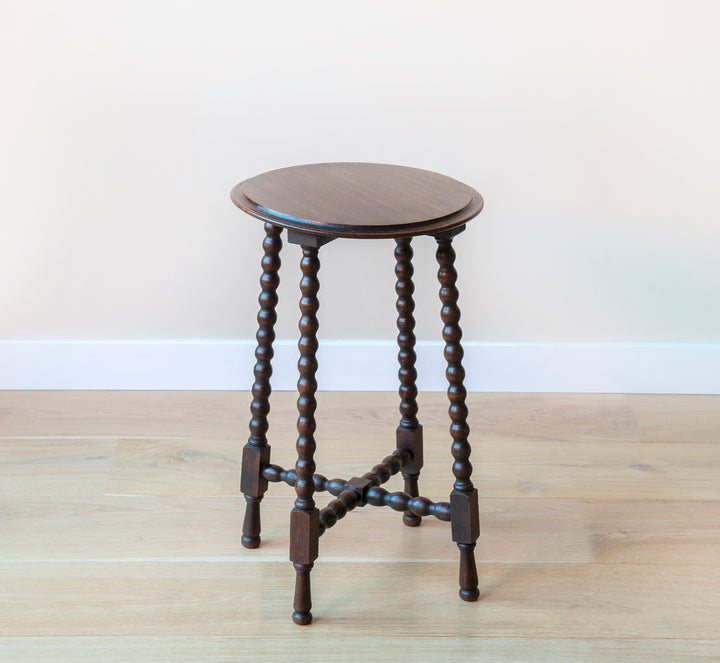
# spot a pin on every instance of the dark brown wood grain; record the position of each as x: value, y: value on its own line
x: 304, y: 522
x: 409, y: 434
x: 302, y: 602
x: 318, y: 203
x: 464, y: 497
x: 256, y: 453
x: 358, y: 200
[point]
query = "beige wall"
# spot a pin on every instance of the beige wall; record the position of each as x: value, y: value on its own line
x: 591, y: 128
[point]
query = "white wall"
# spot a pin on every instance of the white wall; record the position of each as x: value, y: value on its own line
x: 591, y: 129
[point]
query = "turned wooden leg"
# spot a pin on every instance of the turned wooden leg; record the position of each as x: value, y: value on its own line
x: 304, y: 518
x: 409, y: 432
x: 464, y: 497
x: 256, y: 453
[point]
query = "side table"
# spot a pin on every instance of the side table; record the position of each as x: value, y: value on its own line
x: 316, y: 204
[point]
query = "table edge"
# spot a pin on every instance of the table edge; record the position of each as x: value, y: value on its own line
x: 426, y: 227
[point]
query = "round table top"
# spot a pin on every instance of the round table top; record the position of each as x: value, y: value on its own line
x: 358, y: 200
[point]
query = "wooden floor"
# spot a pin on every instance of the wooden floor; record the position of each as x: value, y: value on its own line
x: 120, y: 521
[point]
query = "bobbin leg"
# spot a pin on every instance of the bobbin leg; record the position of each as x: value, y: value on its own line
x: 409, y: 432
x: 304, y: 518
x: 256, y: 453
x: 464, y: 497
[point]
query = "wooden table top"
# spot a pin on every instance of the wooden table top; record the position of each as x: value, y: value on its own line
x: 358, y: 200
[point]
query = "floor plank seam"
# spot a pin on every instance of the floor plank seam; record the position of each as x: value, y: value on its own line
x: 341, y: 560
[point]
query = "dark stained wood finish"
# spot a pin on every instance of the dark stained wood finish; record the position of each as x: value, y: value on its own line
x: 256, y: 453
x: 338, y: 508
x: 302, y: 601
x: 399, y: 501
x: 409, y: 433
x: 307, y: 239
x: 304, y: 522
x: 464, y: 497
x: 358, y: 200
x: 318, y: 203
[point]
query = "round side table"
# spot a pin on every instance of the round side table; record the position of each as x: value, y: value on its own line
x: 317, y: 203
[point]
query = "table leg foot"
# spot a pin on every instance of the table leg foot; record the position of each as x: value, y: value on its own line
x: 302, y: 603
x: 468, y: 573
x: 411, y: 519
x: 251, y: 524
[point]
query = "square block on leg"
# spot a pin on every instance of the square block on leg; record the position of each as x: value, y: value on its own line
x: 412, y: 441
x: 254, y: 459
x: 465, y: 516
x: 304, y: 535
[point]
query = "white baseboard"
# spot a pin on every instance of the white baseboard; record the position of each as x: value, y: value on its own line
x: 681, y: 368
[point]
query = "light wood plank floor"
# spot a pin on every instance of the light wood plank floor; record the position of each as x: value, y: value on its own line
x: 120, y: 519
